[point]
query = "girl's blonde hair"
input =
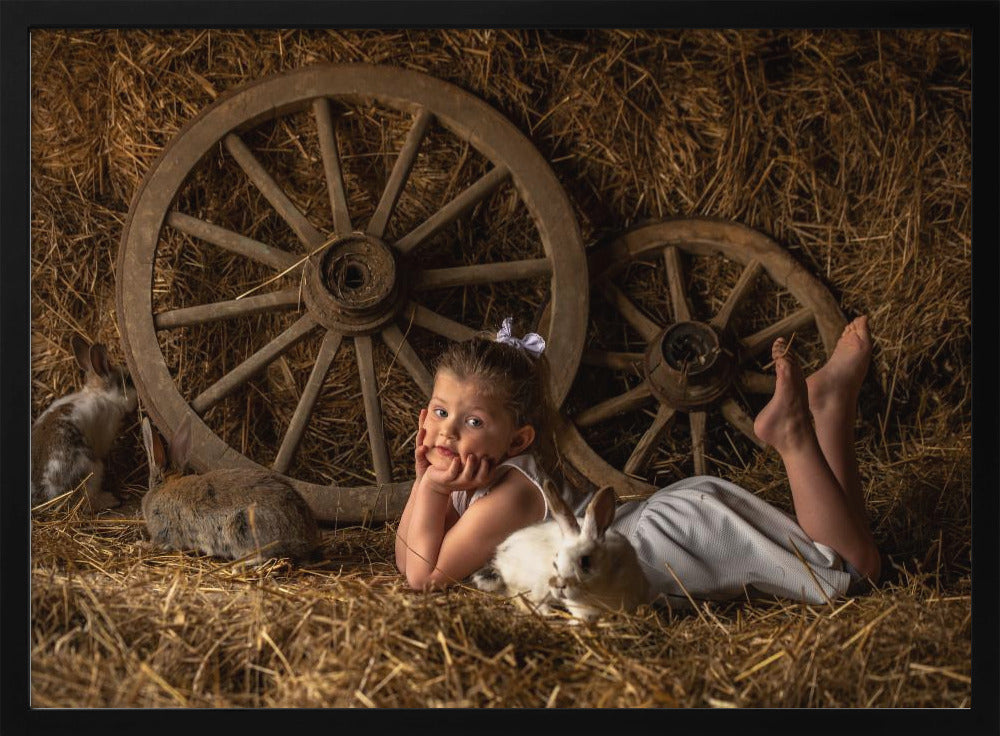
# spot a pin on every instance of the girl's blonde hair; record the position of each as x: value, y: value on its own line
x: 512, y: 375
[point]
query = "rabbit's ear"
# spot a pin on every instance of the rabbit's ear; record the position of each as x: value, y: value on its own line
x: 81, y: 351
x: 155, y: 454
x: 99, y: 360
x: 561, y: 512
x: 600, y: 513
x: 180, y: 444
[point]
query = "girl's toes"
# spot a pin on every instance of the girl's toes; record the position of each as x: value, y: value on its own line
x: 780, y: 369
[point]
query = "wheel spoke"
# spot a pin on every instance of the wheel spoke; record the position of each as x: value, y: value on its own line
x: 373, y: 409
x: 636, y: 464
x: 459, y: 205
x: 437, y: 323
x: 273, y: 192
x: 303, y: 410
x: 608, y: 359
x: 755, y: 382
x: 675, y: 282
x: 740, y: 290
x: 405, y: 354
x: 173, y: 318
x: 642, y: 324
x: 608, y: 408
x: 762, y: 340
x: 400, y: 173
x: 735, y: 415
x: 245, y: 370
x: 487, y: 273
x: 698, y: 420
x: 231, y: 241
x: 331, y: 166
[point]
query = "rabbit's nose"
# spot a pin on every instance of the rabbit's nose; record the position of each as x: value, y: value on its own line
x: 558, y: 587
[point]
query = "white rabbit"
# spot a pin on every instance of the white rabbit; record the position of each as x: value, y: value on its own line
x: 581, y: 565
x: 522, y: 565
x: 71, y: 438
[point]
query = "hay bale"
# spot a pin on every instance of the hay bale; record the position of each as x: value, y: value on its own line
x: 850, y: 148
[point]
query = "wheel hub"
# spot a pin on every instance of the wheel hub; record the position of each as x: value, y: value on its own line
x: 690, y: 365
x: 352, y: 285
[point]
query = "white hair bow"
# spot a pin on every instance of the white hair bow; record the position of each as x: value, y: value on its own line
x: 532, y: 342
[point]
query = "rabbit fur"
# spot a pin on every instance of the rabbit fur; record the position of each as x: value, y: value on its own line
x: 577, y: 564
x: 73, y: 436
x: 234, y: 513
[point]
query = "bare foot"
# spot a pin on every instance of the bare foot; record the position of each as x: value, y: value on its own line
x: 838, y: 382
x: 785, y: 422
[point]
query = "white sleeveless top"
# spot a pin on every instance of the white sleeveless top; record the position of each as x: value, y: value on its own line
x: 529, y: 467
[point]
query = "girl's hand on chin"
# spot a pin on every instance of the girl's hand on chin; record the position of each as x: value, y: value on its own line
x: 473, y: 473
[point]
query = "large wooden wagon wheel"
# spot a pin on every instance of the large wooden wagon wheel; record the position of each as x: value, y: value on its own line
x: 343, y: 277
x: 686, y: 355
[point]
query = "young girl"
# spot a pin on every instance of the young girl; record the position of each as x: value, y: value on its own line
x: 704, y: 537
x: 475, y: 483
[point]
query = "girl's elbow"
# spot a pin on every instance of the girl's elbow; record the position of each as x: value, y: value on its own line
x: 422, y: 581
x: 416, y: 579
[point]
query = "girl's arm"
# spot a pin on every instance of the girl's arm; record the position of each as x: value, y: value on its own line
x: 439, y: 553
x: 403, y: 530
x: 420, y: 465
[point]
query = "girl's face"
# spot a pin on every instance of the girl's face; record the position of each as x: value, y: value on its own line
x: 462, y: 420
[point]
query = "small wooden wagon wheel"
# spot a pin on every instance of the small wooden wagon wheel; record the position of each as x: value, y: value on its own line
x: 702, y: 354
x: 345, y: 278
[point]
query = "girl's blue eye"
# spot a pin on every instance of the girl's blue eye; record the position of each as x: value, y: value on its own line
x: 440, y: 413
x: 475, y: 422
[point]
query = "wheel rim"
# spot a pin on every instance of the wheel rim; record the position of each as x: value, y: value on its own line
x: 355, y: 285
x: 691, y: 363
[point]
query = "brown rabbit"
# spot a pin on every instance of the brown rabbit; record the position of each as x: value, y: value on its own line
x: 232, y: 513
x: 71, y: 438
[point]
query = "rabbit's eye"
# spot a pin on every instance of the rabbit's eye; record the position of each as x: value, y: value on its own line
x: 585, y: 563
